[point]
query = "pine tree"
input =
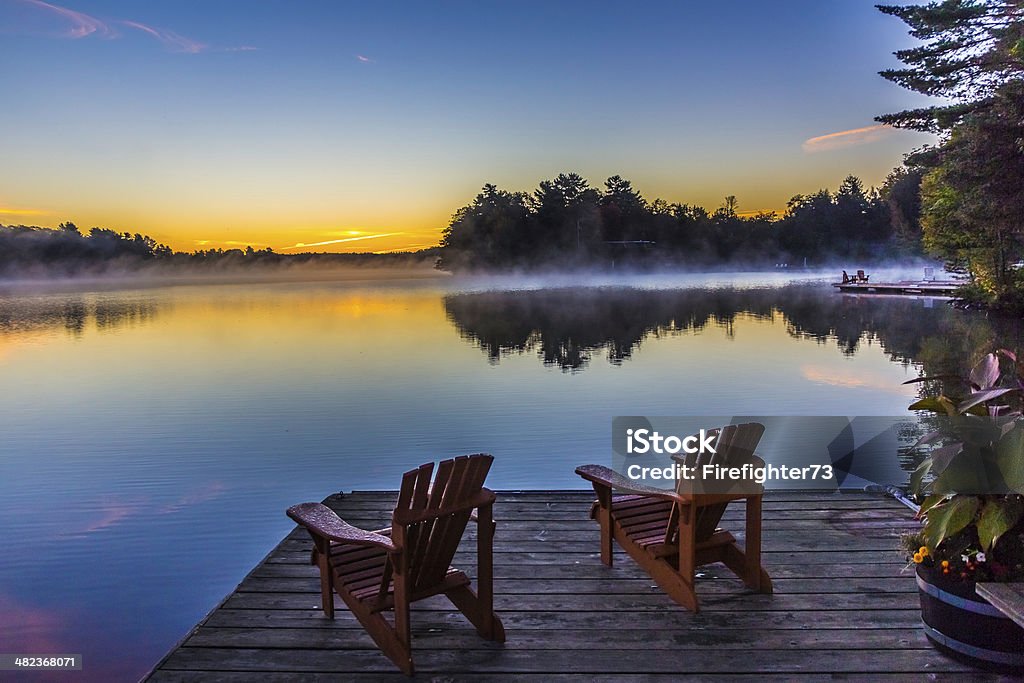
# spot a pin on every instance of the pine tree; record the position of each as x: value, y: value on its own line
x: 971, y: 49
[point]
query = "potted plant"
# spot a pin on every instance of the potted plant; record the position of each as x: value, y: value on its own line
x: 970, y: 484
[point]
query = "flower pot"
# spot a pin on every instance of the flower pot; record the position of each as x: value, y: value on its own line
x: 962, y: 624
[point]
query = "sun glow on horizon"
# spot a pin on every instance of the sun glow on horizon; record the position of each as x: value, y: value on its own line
x: 223, y: 128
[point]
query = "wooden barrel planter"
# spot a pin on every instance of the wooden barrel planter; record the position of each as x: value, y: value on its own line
x: 965, y: 626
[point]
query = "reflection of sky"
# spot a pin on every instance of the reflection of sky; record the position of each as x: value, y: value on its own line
x: 208, y: 126
x: 148, y: 457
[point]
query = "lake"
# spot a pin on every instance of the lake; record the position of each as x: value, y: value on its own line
x: 154, y: 436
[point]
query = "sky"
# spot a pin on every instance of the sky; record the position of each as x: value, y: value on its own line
x: 343, y: 126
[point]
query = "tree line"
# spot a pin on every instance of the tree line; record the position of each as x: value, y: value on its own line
x: 972, y: 189
x: 566, y: 221
x: 28, y: 251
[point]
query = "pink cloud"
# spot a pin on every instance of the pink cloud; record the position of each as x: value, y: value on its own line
x: 302, y: 245
x: 170, y: 39
x: 82, y: 25
x: 847, y: 138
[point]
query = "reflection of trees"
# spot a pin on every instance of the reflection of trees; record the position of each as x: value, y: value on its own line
x: 74, y: 313
x: 566, y: 326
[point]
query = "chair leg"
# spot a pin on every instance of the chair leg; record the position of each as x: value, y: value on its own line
x: 403, y: 629
x: 323, y: 560
x: 755, y: 576
x: 485, y: 574
x: 664, y: 574
x: 604, y: 518
x: 746, y: 563
x: 486, y: 622
x: 387, y: 638
x: 672, y: 582
x: 687, y: 561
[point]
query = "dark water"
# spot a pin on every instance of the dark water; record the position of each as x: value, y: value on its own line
x: 153, y: 437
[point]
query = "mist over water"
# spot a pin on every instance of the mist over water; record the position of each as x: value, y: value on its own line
x: 153, y: 436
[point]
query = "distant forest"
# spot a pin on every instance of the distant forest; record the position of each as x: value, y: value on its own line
x: 28, y: 252
x: 566, y: 221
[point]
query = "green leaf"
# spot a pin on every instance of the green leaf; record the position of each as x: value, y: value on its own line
x: 1010, y: 459
x: 950, y: 518
x: 930, y: 502
x: 917, y: 380
x: 949, y: 406
x: 980, y: 397
x: 917, y: 478
x: 985, y: 374
x: 929, y: 403
x: 998, y: 517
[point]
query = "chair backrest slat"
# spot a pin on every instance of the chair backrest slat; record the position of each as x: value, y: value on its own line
x: 734, y: 444
x: 431, y: 542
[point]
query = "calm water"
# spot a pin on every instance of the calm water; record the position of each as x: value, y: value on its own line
x: 152, y: 438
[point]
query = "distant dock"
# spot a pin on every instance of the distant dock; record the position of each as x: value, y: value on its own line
x: 843, y: 607
x: 906, y: 287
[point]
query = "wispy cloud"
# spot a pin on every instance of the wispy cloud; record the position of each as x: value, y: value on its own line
x: 14, y: 211
x: 847, y: 138
x: 756, y: 212
x: 171, y: 40
x: 408, y: 247
x: 233, y: 243
x: 81, y: 24
x: 302, y: 245
x: 364, y: 59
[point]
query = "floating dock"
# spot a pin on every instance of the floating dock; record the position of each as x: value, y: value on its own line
x: 910, y: 287
x: 843, y: 607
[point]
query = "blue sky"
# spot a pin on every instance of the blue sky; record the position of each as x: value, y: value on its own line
x: 283, y: 123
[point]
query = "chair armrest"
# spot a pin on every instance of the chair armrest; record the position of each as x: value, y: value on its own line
x: 604, y: 476
x: 322, y: 521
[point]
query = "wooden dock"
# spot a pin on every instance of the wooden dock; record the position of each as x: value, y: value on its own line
x: 906, y: 287
x: 842, y: 607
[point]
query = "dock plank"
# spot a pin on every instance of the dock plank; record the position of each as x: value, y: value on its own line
x: 843, y: 606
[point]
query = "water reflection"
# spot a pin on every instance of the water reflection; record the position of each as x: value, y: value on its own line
x: 565, y: 327
x: 73, y: 313
x: 136, y: 422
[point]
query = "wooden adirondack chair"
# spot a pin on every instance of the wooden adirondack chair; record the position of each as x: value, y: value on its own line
x: 671, y: 533
x: 389, y: 569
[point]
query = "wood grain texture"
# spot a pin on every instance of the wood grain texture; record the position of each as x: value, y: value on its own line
x: 843, y: 606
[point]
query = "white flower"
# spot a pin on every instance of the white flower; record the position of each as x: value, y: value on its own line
x: 981, y: 557
x: 964, y: 558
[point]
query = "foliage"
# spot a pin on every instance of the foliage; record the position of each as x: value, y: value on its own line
x: 972, y: 479
x: 901, y: 193
x: 973, y: 200
x: 567, y: 222
x: 65, y: 251
x: 972, y: 196
x: 971, y: 48
x: 22, y: 248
